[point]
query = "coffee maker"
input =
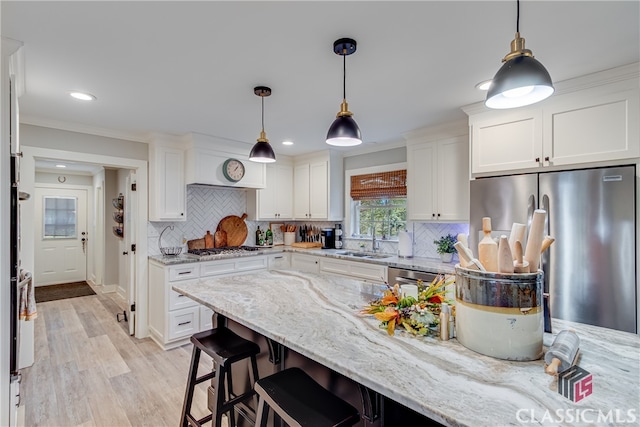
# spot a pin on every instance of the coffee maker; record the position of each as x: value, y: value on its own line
x: 328, y: 238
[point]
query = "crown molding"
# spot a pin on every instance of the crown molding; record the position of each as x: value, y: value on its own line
x: 79, y: 128
x: 373, y: 147
x: 438, y: 132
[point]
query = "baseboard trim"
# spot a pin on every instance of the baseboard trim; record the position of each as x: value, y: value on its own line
x: 109, y: 288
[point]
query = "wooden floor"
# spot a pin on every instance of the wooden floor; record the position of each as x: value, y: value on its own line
x: 88, y: 371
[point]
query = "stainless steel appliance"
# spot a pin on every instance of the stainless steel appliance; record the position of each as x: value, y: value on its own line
x: 590, y: 271
x: 212, y: 253
x: 402, y: 276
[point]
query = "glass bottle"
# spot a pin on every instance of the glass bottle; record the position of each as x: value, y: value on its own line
x: 268, y: 237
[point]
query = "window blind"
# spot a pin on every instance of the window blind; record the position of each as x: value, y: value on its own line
x: 379, y: 185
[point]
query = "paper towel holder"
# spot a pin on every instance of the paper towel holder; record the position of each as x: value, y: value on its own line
x: 405, y: 244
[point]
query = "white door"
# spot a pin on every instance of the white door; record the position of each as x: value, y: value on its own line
x: 130, y: 213
x: 60, y: 235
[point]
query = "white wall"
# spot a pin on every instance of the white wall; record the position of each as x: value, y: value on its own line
x: 60, y: 178
x: 95, y: 267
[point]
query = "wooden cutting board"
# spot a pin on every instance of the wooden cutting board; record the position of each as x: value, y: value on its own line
x: 195, y: 244
x: 220, y: 239
x: 306, y: 245
x: 235, y: 227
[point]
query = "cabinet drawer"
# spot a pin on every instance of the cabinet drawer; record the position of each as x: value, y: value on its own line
x: 184, y: 272
x: 251, y: 263
x: 184, y: 322
x: 215, y: 268
x: 177, y: 301
x: 377, y: 273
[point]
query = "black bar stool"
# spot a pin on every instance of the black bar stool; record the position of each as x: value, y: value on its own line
x: 301, y: 402
x: 225, y: 348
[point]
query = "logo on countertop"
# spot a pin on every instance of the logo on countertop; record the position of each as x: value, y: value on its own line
x: 575, y: 383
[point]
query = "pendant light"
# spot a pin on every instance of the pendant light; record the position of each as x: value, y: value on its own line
x: 262, y: 151
x: 344, y: 131
x: 522, y: 80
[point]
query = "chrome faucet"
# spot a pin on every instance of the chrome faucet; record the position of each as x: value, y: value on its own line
x: 375, y: 245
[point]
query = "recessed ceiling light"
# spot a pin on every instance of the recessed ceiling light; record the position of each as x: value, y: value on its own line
x: 287, y: 142
x: 61, y: 166
x: 483, y: 85
x: 82, y: 96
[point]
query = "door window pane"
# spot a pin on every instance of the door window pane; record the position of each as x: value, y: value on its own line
x: 60, y: 217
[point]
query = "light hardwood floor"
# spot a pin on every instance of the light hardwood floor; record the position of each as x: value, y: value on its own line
x: 88, y: 371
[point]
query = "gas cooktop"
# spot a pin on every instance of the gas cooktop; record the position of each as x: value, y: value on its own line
x: 222, y: 251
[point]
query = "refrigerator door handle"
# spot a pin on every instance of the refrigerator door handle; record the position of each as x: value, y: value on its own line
x: 531, y: 206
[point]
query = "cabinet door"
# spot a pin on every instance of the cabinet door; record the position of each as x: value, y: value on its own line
x: 306, y: 263
x: 267, y: 204
x: 318, y: 190
x: 284, y: 191
x: 592, y: 129
x: 421, y: 161
x: 453, y: 180
x: 168, y: 188
x: 301, y: 191
x: 507, y: 142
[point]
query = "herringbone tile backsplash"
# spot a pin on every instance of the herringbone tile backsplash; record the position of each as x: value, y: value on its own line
x: 206, y: 206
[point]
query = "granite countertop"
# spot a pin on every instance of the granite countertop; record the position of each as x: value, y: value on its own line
x: 432, y: 265
x: 441, y: 379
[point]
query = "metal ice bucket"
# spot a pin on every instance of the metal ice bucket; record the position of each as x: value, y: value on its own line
x: 500, y: 315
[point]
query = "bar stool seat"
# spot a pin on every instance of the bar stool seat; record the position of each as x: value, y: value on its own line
x: 301, y: 402
x: 224, y: 347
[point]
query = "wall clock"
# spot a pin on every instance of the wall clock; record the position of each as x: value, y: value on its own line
x: 233, y: 170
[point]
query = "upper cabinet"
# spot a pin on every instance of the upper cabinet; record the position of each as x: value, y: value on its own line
x: 207, y: 159
x: 275, y: 201
x: 438, y: 174
x: 166, y: 180
x: 584, y: 123
x: 318, y: 187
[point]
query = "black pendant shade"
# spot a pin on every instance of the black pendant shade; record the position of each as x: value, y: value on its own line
x: 522, y: 80
x: 344, y: 131
x: 262, y: 151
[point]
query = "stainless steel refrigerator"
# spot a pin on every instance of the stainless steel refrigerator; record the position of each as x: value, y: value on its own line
x: 590, y: 270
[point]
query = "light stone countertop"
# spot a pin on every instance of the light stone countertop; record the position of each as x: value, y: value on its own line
x: 318, y: 317
x: 432, y: 265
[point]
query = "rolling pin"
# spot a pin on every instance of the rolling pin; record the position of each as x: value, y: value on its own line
x: 534, y: 242
x: 519, y: 265
x: 546, y: 242
x: 488, y: 248
x: 465, y: 256
x: 517, y: 233
x: 462, y: 238
x: 505, y: 259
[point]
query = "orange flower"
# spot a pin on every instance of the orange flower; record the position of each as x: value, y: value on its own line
x: 387, y: 315
x: 389, y: 299
x: 436, y: 299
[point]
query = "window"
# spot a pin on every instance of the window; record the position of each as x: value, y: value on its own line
x: 60, y: 217
x: 387, y: 216
x: 379, y: 204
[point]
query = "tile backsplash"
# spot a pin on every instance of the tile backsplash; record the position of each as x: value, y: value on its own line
x: 207, y: 205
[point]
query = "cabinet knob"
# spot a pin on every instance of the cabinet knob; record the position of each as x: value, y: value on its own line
x: 537, y: 159
x: 546, y: 159
x: 181, y: 213
x: 433, y: 215
x: 438, y: 215
x: 125, y: 253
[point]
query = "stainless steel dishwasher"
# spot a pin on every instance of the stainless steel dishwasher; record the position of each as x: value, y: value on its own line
x: 402, y: 276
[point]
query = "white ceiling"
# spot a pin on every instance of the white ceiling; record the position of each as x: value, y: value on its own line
x: 179, y: 67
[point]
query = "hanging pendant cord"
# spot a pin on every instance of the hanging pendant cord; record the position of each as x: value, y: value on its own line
x: 344, y: 74
x: 262, y: 112
x: 517, y: 16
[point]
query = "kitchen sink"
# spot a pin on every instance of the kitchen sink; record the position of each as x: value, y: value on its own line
x: 363, y: 255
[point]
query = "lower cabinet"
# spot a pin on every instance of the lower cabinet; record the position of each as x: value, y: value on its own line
x: 304, y: 262
x: 173, y: 317
x: 354, y: 269
x: 281, y: 261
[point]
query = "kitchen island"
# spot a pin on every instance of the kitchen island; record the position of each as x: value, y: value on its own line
x: 318, y: 317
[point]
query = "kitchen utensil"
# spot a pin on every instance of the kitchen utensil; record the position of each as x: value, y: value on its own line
x: 546, y: 242
x: 488, y: 248
x: 208, y: 240
x: 462, y: 238
x: 519, y: 265
x: 534, y: 241
x: 517, y: 234
x: 195, y: 244
x: 505, y: 259
x: 563, y: 352
x: 463, y: 254
x: 478, y: 265
x: 236, y: 229
x: 220, y: 239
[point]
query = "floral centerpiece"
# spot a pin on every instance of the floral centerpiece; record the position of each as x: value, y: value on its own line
x: 419, y: 317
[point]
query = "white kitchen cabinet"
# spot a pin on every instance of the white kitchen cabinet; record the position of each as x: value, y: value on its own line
x: 318, y: 187
x: 166, y: 180
x: 275, y: 201
x: 354, y: 269
x: 304, y: 262
x: 173, y: 317
x: 590, y: 120
x: 280, y: 261
x: 438, y: 180
x: 205, y: 157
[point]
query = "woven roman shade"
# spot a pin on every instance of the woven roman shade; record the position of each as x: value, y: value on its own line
x: 379, y: 185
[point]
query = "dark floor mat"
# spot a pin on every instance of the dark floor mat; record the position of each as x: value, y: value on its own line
x: 63, y: 291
